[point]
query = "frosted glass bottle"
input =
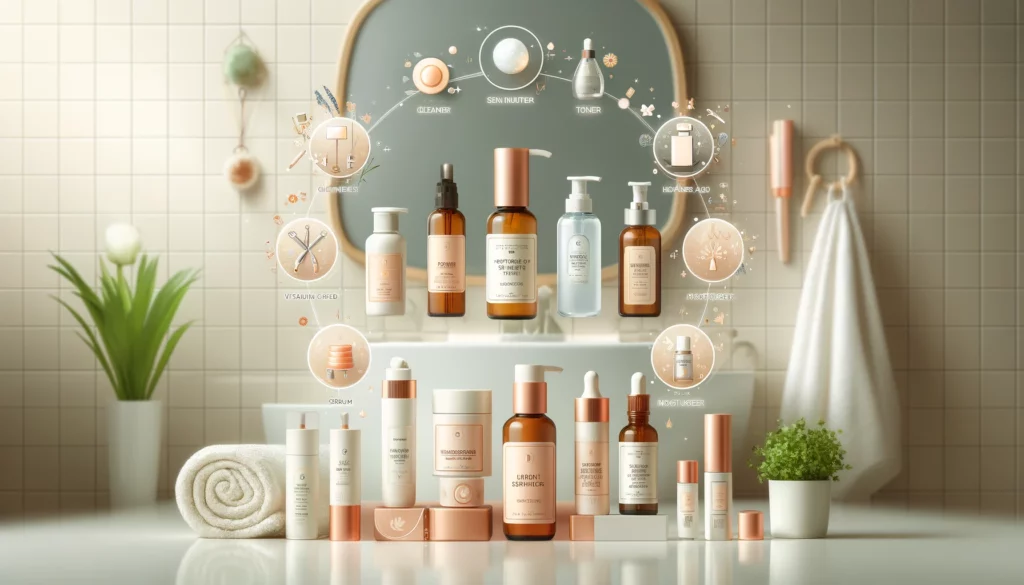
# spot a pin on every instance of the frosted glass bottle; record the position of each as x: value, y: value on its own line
x: 579, y: 254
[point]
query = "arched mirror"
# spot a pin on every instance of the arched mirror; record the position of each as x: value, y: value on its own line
x: 448, y: 81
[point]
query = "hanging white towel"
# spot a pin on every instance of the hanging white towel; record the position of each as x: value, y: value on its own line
x: 839, y: 369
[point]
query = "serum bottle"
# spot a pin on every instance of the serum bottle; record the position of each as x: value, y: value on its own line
x: 579, y: 254
x: 385, y: 264
x: 638, y: 454
x: 686, y: 499
x: 528, y: 459
x: 682, y: 372
x: 718, y: 477
x: 346, y: 478
x: 302, y: 478
x: 446, y: 250
x: 588, y: 81
x: 591, y: 449
x: 640, y: 259
x: 511, y: 272
x: 398, y: 435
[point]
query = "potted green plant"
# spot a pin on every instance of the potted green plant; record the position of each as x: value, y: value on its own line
x: 127, y: 330
x: 800, y: 464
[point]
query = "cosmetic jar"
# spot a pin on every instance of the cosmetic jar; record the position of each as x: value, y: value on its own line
x: 462, y: 433
x: 461, y: 492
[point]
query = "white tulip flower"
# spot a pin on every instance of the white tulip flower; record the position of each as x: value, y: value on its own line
x: 123, y: 244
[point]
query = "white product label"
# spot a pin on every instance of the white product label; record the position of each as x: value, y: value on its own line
x: 446, y: 264
x: 639, y: 275
x: 638, y: 473
x: 511, y: 268
x: 686, y: 510
x: 399, y: 455
x: 684, y: 367
x: 344, y: 480
x: 577, y: 259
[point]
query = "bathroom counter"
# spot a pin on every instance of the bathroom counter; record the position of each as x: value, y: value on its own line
x: 865, y: 545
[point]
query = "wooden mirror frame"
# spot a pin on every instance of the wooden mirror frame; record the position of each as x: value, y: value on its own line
x: 670, y: 231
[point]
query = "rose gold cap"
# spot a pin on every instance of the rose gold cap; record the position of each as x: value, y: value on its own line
x: 398, y: 389
x: 591, y: 410
x: 751, y: 525
x: 638, y: 403
x: 345, y: 522
x: 717, y: 443
x: 530, y: 397
x: 461, y: 524
x: 511, y: 177
x: 581, y: 527
x: 686, y: 472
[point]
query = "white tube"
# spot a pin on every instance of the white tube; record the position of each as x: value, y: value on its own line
x: 346, y: 477
x: 302, y: 482
x: 686, y: 510
x: 398, y: 422
x: 718, y: 506
x: 592, y: 468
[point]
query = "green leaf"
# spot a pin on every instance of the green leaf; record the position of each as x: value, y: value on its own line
x: 172, y: 342
x: 796, y: 452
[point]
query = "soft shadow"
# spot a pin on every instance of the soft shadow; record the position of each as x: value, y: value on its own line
x: 885, y: 536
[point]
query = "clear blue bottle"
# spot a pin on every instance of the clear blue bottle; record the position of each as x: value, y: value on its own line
x: 579, y: 254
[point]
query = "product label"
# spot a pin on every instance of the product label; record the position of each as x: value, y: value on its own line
x: 302, y: 476
x: 719, y: 496
x: 458, y: 448
x: 591, y: 467
x: 400, y: 455
x: 577, y: 259
x: 688, y: 502
x: 686, y: 517
x: 384, y: 274
x: 529, y: 480
x: 638, y: 473
x: 446, y: 264
x: 511, y: 268
x: 344, y: 482
x: 638, y: 275
x: 684, y: 367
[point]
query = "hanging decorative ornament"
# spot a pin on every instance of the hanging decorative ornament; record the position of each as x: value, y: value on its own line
x: 243, y: 68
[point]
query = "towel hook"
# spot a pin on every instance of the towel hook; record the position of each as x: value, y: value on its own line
x: 814, y: 180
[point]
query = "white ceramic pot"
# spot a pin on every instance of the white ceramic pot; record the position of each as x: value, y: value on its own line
x: 134, y: 433
x: 799, y: 509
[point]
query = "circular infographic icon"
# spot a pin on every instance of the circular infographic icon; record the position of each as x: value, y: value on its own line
x: 684, y: 147
x: 339, y: 356
x: 713, y: 250
x: 307, y: 249
x: 683, y: 356
x: 339, y: 147
x: 511, y: 57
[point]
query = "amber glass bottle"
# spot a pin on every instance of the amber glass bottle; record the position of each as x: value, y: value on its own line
x: 640, y: 259
x: 528, y: 459
x: 511, y: 275
x: 446, y: 250
x: 638, y: 454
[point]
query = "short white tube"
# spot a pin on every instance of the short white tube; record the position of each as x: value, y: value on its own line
x: 302, y: 483
x: 718, y: 506
x: 398, y: 453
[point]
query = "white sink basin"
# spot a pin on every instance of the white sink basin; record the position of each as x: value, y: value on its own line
x: 490, y: 365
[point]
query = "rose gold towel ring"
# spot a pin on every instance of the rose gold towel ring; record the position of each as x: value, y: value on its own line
x: 814, y: 180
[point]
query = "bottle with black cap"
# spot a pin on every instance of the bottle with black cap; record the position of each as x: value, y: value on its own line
x: 446, y: 250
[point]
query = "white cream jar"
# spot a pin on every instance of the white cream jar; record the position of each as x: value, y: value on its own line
x: 462, y: 433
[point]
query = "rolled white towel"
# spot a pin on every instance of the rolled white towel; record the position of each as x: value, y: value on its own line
x: 238, y: 491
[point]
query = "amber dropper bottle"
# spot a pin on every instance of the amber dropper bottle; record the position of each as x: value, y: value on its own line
x: 446, y: 250
x: 638, y: 454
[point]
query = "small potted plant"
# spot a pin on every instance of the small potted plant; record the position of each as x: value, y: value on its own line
x: 127, y: 326
x: 800, y: 464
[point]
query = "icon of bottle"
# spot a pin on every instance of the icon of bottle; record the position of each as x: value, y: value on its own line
x: 588, y: 81
x: 682, y: 146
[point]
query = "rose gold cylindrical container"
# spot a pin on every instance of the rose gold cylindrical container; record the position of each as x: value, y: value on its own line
x: 751, y: 525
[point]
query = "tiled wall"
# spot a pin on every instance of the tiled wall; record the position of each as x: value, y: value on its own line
x: 113, y: 110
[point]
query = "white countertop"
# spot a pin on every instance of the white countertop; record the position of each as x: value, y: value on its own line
x: 866, y: 546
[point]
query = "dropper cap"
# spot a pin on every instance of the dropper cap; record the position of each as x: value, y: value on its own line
x: 639, y: 211
x: 588, y: 49
x: 398, y: 382
x: 591, y: 406
x: 579, y: 200
x: 447, y: 196
x: 385, y: 219
x: 639, y: 401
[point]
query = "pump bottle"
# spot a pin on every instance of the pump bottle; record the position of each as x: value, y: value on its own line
x: 511, y: 272
x: 579, y: 254
x: 398, y: 435
x: 528, y: 459
x: 385, y: 264
x: 591, y: 449
x: 638, y: 454
x: 640, y: 259
x: 302, y: 478
x: 446, y: 250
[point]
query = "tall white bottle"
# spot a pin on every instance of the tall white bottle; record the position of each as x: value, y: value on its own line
x: 346, y: 477
x: 718, y: 477
x: 591, y: 449
x: 385, y: 264
x: 302, y: 478
x: 398, y: 436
